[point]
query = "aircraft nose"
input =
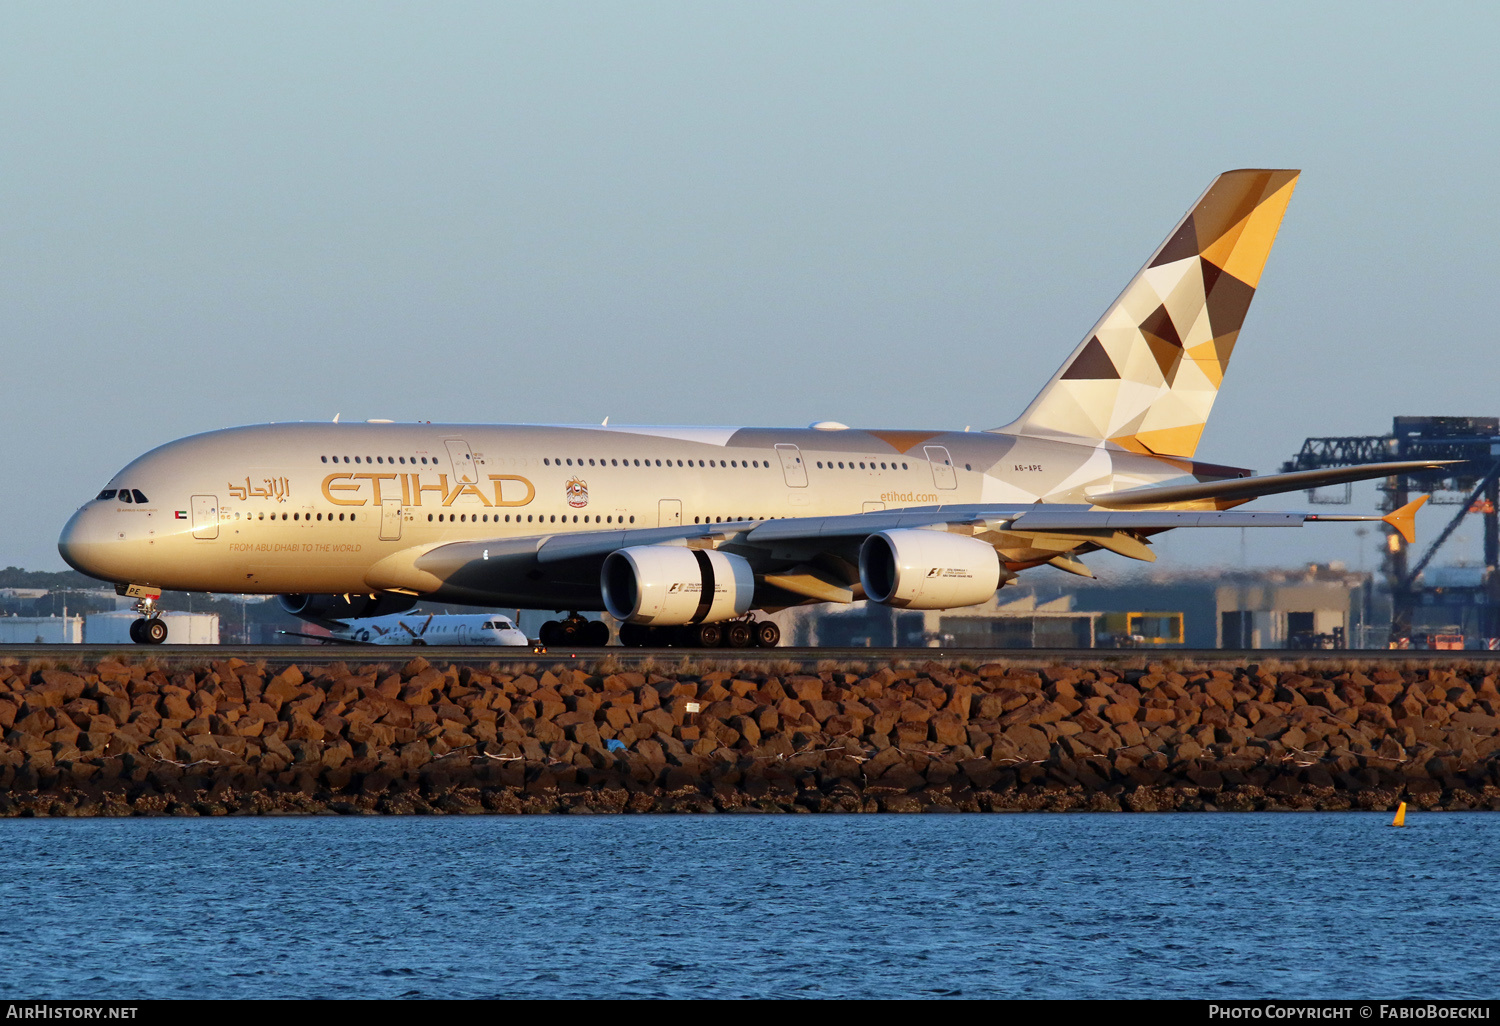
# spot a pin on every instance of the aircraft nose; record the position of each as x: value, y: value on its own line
x: 89, y: 546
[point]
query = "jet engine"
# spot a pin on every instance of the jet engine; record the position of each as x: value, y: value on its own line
x: 912, y: 569
x: 334, y: 610
x: 664, y: 585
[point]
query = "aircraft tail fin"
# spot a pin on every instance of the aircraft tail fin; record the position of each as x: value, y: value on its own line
x: 1145, y: 378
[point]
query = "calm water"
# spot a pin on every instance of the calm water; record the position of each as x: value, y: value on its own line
x: 1226, y: 905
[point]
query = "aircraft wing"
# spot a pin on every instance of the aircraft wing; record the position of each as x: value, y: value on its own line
x: 812, y: 557
x: 1242, y: 489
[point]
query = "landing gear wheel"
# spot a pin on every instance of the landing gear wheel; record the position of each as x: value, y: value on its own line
x: 709, y: 635
x: 635, y: 635
x: 739, y: 634
x: 767, y: 634
x: 135, y: 631
x: 418, y: 641
x: 595, y: 633
x: 153, y: 631
x: 551, y: 633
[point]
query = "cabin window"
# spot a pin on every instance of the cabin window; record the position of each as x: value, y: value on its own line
x: 632, y: 520
x: 325, y: 459
x: 695, y: 520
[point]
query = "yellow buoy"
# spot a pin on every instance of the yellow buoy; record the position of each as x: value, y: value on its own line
x: 1400, y: 819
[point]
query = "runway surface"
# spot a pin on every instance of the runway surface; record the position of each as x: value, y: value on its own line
x: 812, y: 658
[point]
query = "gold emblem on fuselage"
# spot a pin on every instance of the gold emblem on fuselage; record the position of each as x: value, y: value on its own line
x: 577, y: 491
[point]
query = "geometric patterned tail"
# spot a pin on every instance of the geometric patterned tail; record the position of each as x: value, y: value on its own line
x: 1145, y: 378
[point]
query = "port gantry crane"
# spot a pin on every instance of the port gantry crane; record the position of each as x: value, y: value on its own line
x: 1473, y: 486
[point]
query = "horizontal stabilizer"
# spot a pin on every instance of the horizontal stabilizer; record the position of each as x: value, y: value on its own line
x: 1243, y: 489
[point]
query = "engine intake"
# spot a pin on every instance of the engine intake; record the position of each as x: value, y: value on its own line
x: 334, y: 610
x: 663, y: 585
x: 912, y: 569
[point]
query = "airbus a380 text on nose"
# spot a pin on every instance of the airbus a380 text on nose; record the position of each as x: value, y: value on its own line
x: 682, y: 533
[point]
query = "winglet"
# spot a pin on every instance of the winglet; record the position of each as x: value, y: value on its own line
x: 1404, y: 520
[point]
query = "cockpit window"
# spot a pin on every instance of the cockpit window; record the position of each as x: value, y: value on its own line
x: 125, y: 495
x: 108, y: 493
x: 139, y: 497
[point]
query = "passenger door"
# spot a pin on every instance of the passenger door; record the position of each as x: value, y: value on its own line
x: 669, y: 513
x: 943, y: 474
x: 792, y: 465
x: 464, y: 471
x: 206, y: 517
x: 390, y: 519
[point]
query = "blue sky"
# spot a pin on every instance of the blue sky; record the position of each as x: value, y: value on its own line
x: 885, y: 214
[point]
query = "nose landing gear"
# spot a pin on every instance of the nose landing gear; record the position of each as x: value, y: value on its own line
x: 150, y: 629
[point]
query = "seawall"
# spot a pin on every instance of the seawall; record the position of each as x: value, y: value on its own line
x: 123, y: 737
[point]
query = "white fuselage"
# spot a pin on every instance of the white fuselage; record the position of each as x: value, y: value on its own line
x: 440, y: 629
x: 312, y: 508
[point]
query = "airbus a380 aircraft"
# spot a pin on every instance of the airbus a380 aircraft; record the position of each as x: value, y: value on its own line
x: 681, y: 533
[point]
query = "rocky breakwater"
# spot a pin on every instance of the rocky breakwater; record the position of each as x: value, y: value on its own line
x: 231, y: 737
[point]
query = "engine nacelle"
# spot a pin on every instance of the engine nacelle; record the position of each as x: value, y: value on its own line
x: 334, y: 610
x: 666, y: 585
x: 912, y: 569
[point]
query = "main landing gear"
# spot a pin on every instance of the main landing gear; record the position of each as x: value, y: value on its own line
x: 150, y: 629
x: 574, y: 630
x: 729, y: 634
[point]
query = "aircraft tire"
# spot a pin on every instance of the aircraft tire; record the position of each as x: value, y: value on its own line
x: 595, y: 634
x: 739, y: 634
x: 135, y: 631
x: 635, y: 635
x: 550, y: 633
x: 767, y: 634
x: 708, y: 635
x: 154, y: 631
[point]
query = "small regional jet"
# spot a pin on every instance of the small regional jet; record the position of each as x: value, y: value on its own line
x: 416, y: 629
x: 681, y: 533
